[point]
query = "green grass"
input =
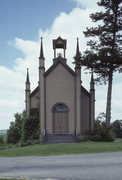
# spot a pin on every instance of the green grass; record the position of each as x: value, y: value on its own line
x: 13, y: 179
x: 17, y: 179
x: 61, y: 149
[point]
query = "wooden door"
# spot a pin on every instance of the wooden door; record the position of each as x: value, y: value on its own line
x: 60, y: 122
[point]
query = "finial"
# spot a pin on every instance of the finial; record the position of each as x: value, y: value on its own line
x: 27, y: 79
x: 78, y: 54
x: 77, y: 49
x: 41, y: 49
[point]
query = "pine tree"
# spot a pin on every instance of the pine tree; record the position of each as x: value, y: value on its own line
x: 104, y: 56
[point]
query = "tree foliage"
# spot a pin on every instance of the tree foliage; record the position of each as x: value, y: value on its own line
x: 23, y: 128
x: 117, y: 128
x: 30, y: 129
x: 101, y: 116
x: 1, y: 140
x: 105, y: 52
x: 15, y: 130
x: 102, y: 132
x: 104, y: 55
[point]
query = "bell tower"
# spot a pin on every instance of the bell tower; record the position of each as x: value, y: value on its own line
x: 59, y: 43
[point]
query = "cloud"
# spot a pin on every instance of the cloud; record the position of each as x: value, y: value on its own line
x: 69, y: 26
x: 87, y: 4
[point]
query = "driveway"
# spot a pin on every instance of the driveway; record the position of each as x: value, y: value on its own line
x: 102, y: 166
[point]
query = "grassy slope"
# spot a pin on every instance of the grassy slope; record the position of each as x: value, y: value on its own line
x: 60, y: 149
x: 3, y: 132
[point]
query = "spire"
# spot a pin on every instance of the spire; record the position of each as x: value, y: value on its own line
x: 92, y: 81
x: 78, y: 55
x: 27, y: 79
x: 77, y: 49
x: 41, y: 50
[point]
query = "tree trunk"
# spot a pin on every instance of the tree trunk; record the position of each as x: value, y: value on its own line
x: 109, y: 95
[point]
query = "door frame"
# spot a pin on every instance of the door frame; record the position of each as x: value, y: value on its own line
x: 60, y: 103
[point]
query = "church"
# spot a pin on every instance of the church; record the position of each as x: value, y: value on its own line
x: 66, y: 108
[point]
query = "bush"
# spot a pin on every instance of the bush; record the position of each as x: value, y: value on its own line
x: 29, y: 142
x: 30, y: 129
x: 15, y: 130
x: 82, y: 138
x: 117, y: 128
x: 102, y: 132
x: 95, y: 138
x: 1, y: 140
x: 24, y: 130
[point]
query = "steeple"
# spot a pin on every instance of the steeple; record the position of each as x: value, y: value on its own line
x: 78, y: 55
x: 92, y: 102
x: 27, y: 94
x: 27, y: 78
x: 41, y: 50
x: 41, y: 57
x: 92, y: 82
x: 42, y: 89
x: 78, y: 88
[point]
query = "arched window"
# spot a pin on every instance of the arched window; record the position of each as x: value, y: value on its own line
x: 60, y: 108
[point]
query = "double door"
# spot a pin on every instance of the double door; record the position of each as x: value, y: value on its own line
x: 60, y: 122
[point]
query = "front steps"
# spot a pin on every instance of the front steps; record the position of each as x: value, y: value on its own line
x: 59, y: 138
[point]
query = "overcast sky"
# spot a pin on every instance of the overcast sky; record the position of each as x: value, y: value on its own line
x: 22, y: 24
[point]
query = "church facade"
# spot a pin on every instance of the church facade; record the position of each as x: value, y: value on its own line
x: 65, y: 106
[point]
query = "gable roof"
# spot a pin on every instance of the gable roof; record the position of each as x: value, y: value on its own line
x: 85, y: 91
x: 34, y: 91
x: 60, y: 60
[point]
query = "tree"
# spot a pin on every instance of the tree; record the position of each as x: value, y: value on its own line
x: 104, y: 56
x: 102, y: 132
x: 30, y: 129
x: 101, y: 116
x: 117, y: 128
x: 15, y: 130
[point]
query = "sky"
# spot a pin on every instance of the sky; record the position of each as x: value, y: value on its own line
x: 22, y: 25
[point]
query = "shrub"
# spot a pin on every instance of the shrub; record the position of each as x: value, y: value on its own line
x: 24, y: 129
x: 1, y: 140
x: 30, y: 129
x: 95, y: 138
x: 15, y: 130
x: 117, y: 128
x: 102, y: 132
x: 81, y: 138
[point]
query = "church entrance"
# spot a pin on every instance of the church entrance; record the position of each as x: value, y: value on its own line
x: 60, y: 119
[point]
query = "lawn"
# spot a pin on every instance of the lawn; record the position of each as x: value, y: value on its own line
x: 18, y: 179
x: 61, y: 149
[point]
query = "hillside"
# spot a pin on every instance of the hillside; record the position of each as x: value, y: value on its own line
x: 3, y: 132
